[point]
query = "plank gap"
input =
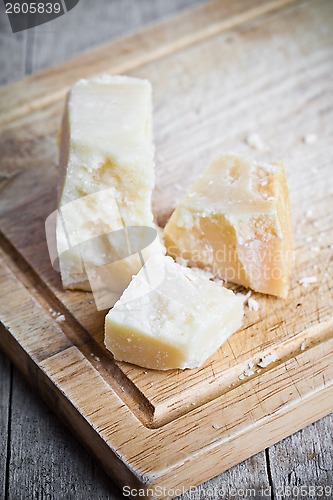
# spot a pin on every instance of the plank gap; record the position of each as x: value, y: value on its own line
x: 9, y: 432
x: 269, y: 473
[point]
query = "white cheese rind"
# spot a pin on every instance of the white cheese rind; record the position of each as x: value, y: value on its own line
x: 106, y: 179
x: 170, y: 317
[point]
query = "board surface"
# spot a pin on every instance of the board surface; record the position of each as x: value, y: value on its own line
x: 219, y: 73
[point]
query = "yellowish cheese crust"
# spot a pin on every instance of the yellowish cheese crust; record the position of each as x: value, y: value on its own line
x: 235, y: 221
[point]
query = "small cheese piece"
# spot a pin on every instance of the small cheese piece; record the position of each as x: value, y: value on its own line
x: 235, y: 221
x: 107, y: 177
x: 171, y: 317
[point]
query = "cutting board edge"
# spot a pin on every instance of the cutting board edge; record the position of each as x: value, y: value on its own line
x: 270, y: 404
x: 217, y: 458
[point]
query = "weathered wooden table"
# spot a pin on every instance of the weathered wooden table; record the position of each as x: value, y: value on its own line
x: 39, y: 459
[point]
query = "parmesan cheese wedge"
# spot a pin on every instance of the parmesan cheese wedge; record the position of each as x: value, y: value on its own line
x: 106, y: 182
x: 235, y: 221
x: 171, y: 317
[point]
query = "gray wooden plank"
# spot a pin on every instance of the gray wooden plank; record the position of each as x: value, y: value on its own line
x: 12, y: 67
x: 304, y: 459
x: 248, y: 479
x: 5, y: 390
x: 46, y: 461
x: 92, y: 23
x: 12, y: 50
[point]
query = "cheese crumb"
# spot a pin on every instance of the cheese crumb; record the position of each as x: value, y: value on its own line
x: 310, y: 139
x: 303, y: 346
x: 256, y: 142
x: 248, y: 372
x: 267, y: 360
x: 181, y: 261
x: 245, y: 296
x: 315, y: 249
x: 218, y: 281
x: 215, y: 426
x: 253, y: 304
x: 241, y: 376
x: 307, y: 280
x: 60, y: 318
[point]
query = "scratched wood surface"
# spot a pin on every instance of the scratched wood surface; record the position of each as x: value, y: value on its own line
x: 296, y: 88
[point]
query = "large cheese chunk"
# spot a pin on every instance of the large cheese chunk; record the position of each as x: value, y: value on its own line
x: 106, y: 181
x: 235, y: 221
x: 171, y: 317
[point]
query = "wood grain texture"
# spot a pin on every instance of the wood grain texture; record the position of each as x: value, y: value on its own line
x: 12, y: 64
x: 297, y: 90
x: 5, y: 411
x: 13, y: 53
x: 96, y: 24
x: 206, y: 427
x: 133, y: 51
x: 307, y: 460
x: 250, y: 476
x: 42, y: 469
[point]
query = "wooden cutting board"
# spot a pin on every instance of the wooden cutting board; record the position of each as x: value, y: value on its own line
x: 220, y: 72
